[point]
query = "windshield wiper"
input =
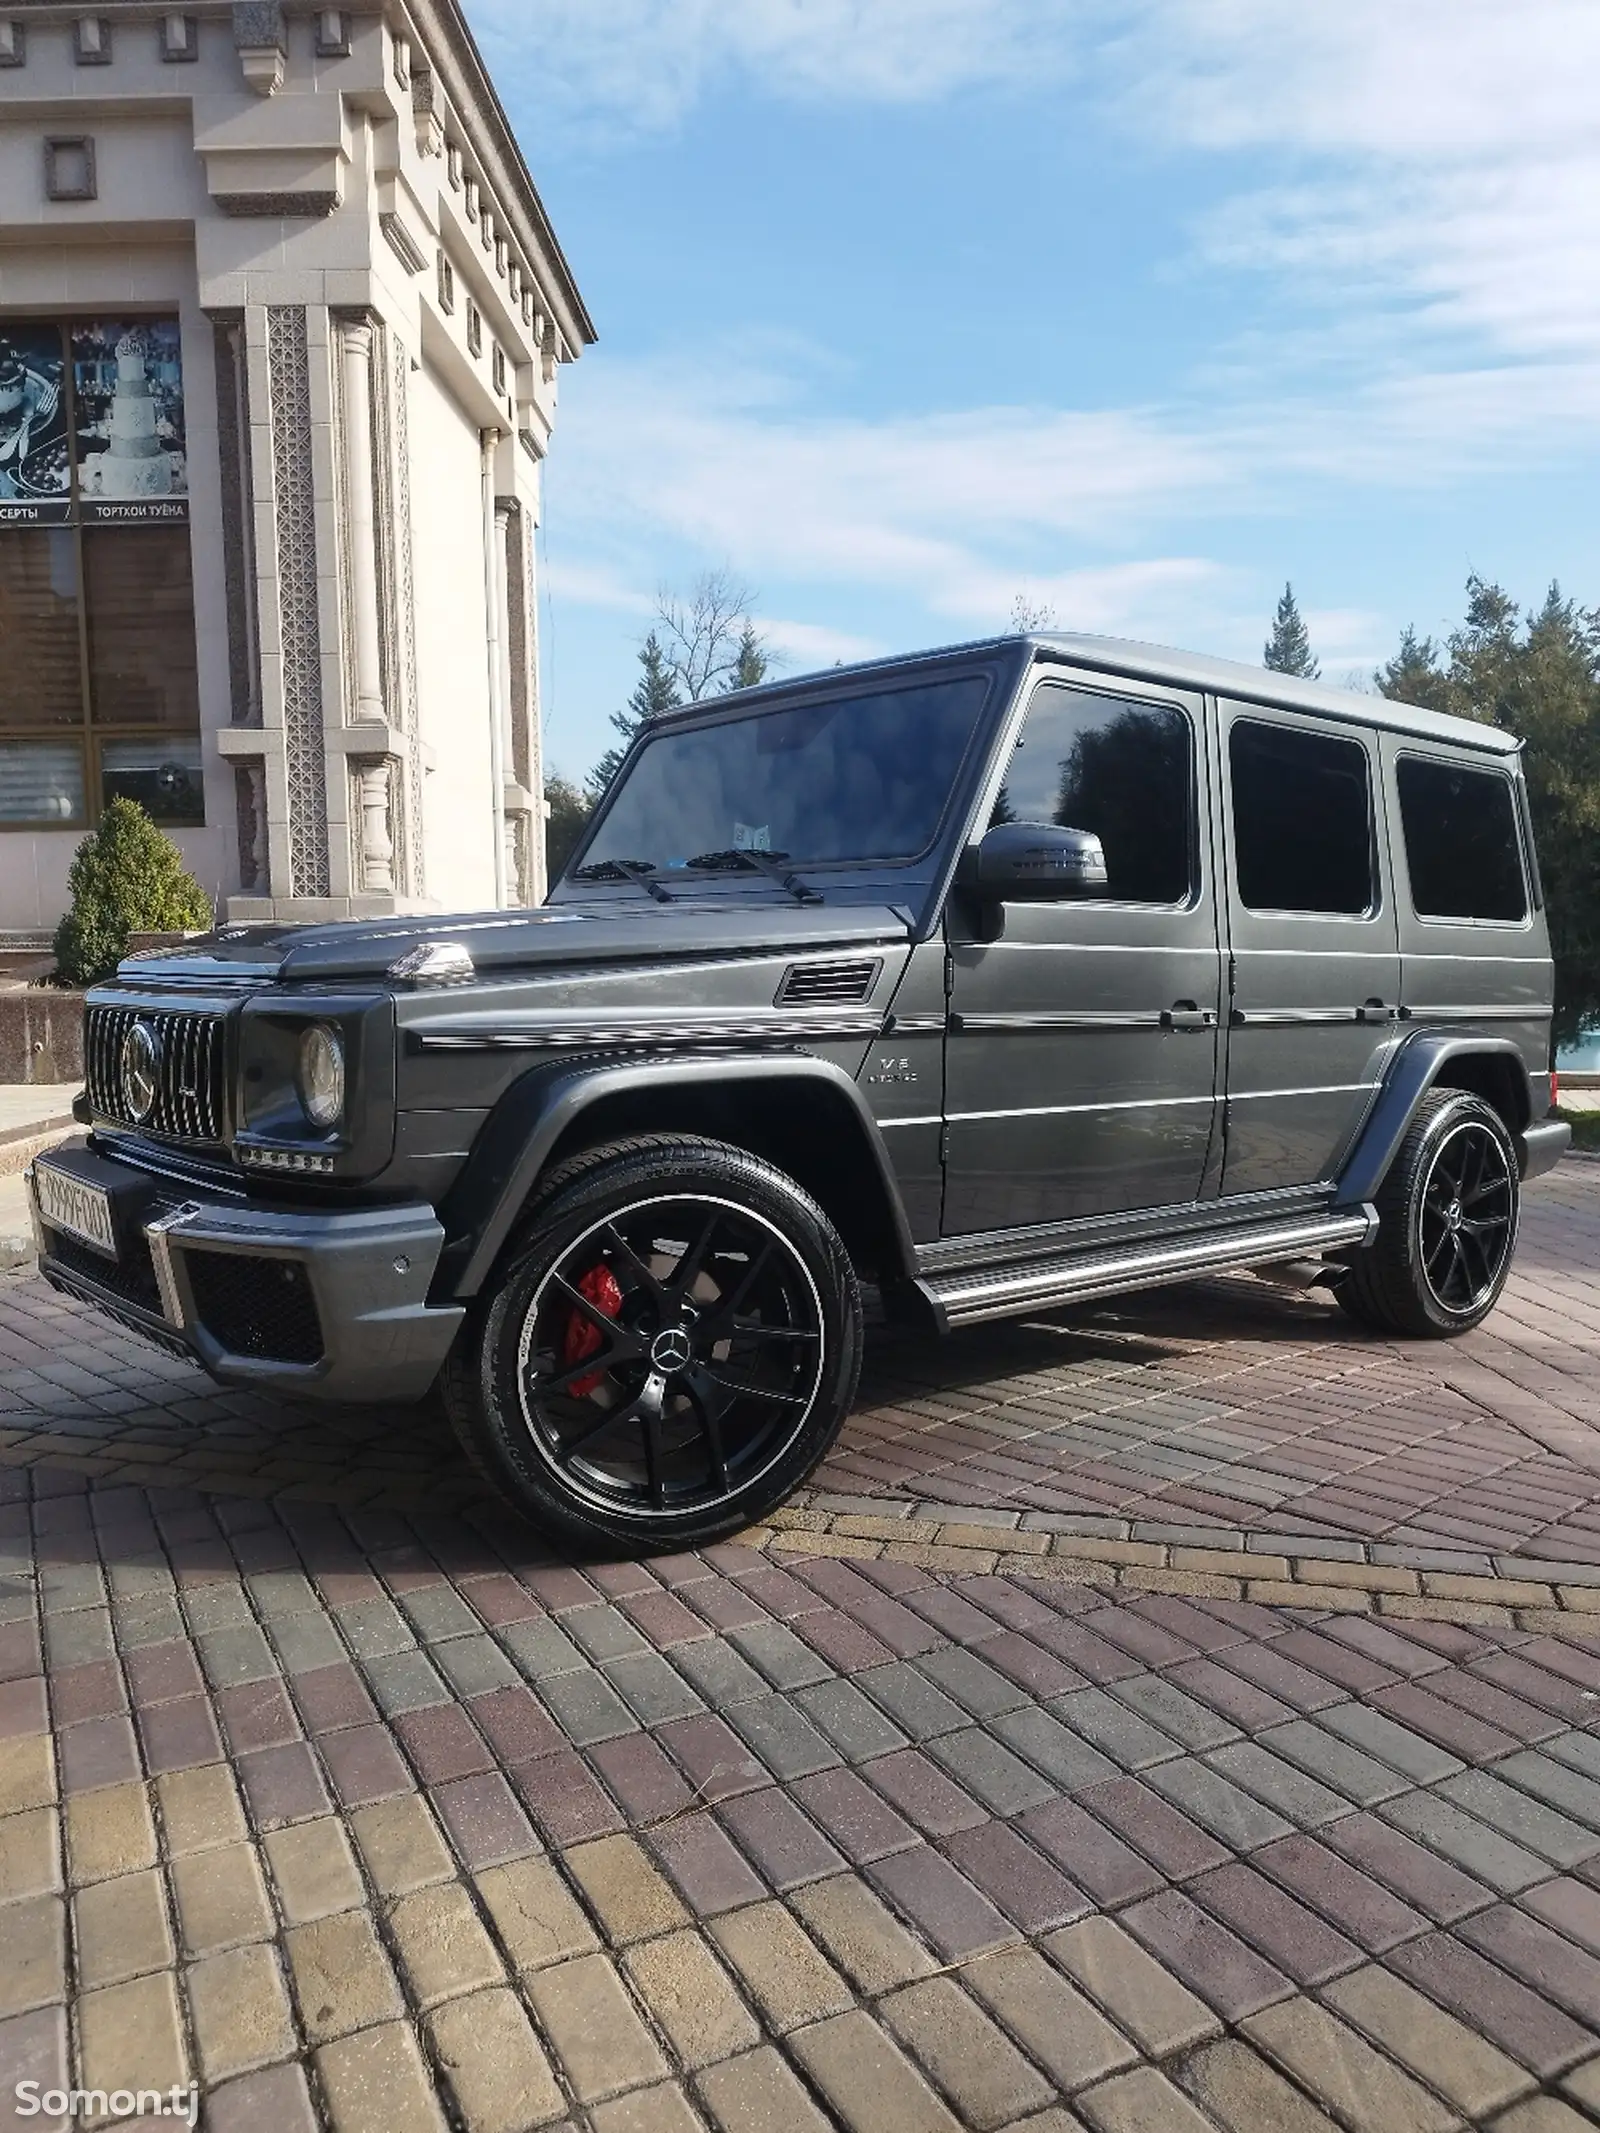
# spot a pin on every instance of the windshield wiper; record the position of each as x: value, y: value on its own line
x: 762, y: 863
x: 639, y: 871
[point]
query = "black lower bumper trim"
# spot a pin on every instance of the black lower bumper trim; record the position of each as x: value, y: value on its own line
x: 358, y: 1324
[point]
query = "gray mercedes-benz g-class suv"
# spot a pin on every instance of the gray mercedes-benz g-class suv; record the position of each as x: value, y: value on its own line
x: 1000, y: 978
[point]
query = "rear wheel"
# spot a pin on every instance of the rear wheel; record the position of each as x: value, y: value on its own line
x: 670, y: 1351
x: 1448, y: 1214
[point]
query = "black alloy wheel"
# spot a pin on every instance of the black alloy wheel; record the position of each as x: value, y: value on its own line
x: 670, y: 1354
x: 671, y: 1349
x: 1467, y: 1218
x: 1448, y: 1211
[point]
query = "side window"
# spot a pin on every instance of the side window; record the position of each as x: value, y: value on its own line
x: 1302, y: 820
x: 1124, y: 771
x: 1461, y: 841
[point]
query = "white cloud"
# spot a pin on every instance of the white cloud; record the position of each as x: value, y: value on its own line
x: 1416, y: 181
x: 905, y: 501
x: 963, y: 509
x: 1446, y: 153
x: 644, y: 63
x: 802, y: 646
x: 1454, y: 158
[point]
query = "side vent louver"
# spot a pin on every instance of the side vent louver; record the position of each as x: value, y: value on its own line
x: 828, y: 984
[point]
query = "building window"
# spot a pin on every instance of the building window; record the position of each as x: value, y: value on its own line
x: 498, y: 367
x: 69, y: 167
x: 99, y: 691
x: 474, y: 328
x: 447, y: 284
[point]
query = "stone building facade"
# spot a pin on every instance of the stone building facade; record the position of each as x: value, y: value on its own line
x: 281, y: 320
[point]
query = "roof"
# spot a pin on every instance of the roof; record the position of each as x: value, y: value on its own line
x: 1232, y: 678
x: 1183, y: 670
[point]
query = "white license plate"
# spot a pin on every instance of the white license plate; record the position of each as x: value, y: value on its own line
x: 82, y: 1210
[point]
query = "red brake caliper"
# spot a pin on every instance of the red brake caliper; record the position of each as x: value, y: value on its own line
x: 583, y: 1336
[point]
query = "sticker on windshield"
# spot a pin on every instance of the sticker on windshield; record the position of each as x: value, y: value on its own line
x: 746, y: 839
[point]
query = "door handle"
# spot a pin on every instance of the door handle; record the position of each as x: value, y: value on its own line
x: 1376, y: 1011
x: 1186, y: 1014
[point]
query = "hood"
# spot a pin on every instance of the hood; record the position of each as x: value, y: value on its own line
x: 610, y: 930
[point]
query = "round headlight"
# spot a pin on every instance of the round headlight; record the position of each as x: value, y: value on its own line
x: 322, y: 1075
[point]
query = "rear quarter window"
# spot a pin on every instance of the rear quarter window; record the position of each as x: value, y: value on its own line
x: 1462, y: 848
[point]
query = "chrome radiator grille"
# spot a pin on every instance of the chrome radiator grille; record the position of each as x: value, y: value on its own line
x: 191, y: 1079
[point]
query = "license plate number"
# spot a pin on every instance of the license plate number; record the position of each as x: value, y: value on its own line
x: 82, y: 1210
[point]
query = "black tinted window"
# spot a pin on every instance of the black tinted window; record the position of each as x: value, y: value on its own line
x: 853, y: 777
x: 1302, y: 820
x: 1124, y: 771
x: 1461, y: 841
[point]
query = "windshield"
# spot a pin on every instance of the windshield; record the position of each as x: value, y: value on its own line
x: 852, y: 778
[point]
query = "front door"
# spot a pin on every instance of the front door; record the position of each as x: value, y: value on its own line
x: 1081, y: 1061
x: 1315, y: 952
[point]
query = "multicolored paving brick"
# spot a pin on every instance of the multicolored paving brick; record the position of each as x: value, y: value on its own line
x: 1005, y: 1783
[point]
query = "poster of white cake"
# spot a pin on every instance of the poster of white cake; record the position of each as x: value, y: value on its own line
x: 127, y: 381
x: 35, y: 474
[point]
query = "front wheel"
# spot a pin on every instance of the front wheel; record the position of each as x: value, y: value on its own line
x: 1448, y: 1211
x: 670, y: 1351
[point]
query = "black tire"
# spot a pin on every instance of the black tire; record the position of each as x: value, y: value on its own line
x: 1448, y: 1210
x: 694, y: 1382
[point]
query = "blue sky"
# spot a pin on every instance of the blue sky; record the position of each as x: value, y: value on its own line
x: 908, y: 306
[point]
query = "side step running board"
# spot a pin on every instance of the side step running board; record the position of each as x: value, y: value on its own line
x: 1002, y: 1292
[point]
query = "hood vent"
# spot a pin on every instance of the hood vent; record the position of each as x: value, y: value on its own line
x: 828, y: 984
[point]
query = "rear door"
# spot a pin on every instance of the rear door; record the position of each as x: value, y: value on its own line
x: 1314, y: 950
x: 1081, y: 1058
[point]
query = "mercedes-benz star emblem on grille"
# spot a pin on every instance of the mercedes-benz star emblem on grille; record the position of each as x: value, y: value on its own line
x: 141, y: 1068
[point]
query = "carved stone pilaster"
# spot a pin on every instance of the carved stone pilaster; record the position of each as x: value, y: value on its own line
x: 511, y: 840
x: 299, y: 628
x: 238, y: 521
x: 405, y: 690
x: 250, y: 797
x: 373, y: 794
x: 360, y: 523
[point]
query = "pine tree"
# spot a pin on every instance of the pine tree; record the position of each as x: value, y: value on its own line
x: 1288, y: 649
x: 750, y: 661
x: 654, y: 692
x: 1414, y: 675
x: 1538, y: 678
x: 567, y: 810
x: 126, y: 877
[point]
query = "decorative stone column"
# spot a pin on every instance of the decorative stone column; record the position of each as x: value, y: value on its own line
x: 361, y: 550
x: 372, y: 784
x: 250, y: 795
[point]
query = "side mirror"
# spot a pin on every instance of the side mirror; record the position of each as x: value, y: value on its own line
x: 1035, y: 859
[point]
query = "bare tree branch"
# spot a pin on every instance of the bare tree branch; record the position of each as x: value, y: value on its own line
x: 1028, y: 615
x: 700, y: 638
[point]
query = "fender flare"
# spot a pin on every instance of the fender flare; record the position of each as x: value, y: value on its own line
x: 514, y: 1145
x: 1412, y: 1073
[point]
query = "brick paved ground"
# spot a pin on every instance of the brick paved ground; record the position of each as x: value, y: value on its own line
x: 322, y: 1784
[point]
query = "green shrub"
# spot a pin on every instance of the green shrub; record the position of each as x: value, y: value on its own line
x: 127, y: 877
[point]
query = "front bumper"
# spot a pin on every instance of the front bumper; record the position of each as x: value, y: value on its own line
x: 329, y: 1305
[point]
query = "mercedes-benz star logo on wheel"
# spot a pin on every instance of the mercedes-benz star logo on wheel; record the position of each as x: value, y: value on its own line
x: 141, y: 1068
x: 671, y: 1351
